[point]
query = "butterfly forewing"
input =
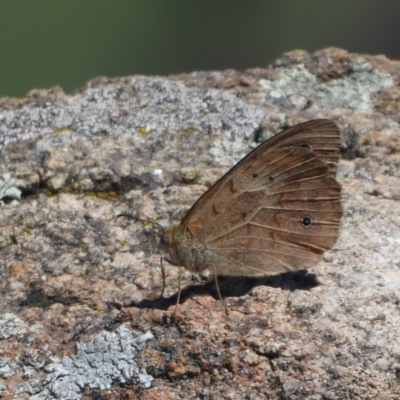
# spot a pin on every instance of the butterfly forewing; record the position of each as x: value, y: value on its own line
x: 278, y: 209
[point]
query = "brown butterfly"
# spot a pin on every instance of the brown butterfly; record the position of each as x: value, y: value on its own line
x: 277, y: 210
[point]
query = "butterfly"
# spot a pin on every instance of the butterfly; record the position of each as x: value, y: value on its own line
x: 277, y: 210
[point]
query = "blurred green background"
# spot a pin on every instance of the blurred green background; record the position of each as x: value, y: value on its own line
x: 46, y: 42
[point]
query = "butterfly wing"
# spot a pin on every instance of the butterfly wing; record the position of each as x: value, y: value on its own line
x: 278, y: 209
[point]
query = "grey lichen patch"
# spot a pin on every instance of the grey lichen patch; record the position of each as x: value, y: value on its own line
x: 228, y: 152
x: 140, y: 105
x: 352, y: 92
x: 95, y: 140
x: 14, y: 363
x: 8, y: 367
x: 11, y: 325
x: 8, y: 188
x: 110, y: 357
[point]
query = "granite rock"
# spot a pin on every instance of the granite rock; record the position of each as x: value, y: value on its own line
x: 81, y: 317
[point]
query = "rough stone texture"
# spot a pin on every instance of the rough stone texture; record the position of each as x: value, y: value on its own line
x: 77, y: 283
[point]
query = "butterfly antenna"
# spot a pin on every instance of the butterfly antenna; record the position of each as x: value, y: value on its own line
x: 136, y: 218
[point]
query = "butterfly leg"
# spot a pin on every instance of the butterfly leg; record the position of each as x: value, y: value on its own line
x: 163, y: 277
x: 218, y: 291
x: 179, y: 291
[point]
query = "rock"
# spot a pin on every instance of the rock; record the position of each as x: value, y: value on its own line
x: 77, y: 282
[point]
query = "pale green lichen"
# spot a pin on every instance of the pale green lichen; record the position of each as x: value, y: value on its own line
x: 192, y: 177
x: 62, y: 129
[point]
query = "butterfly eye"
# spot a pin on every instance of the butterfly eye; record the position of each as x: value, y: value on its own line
x: 165, y: 239
x: 255, y: 176
x: 270, y: 178
x: 307, y: 222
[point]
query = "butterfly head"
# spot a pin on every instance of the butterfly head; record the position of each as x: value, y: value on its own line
x: 169, y: 243
x: 165, y: 241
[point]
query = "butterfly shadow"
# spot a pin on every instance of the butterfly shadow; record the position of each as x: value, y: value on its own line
x: 236, y: 286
